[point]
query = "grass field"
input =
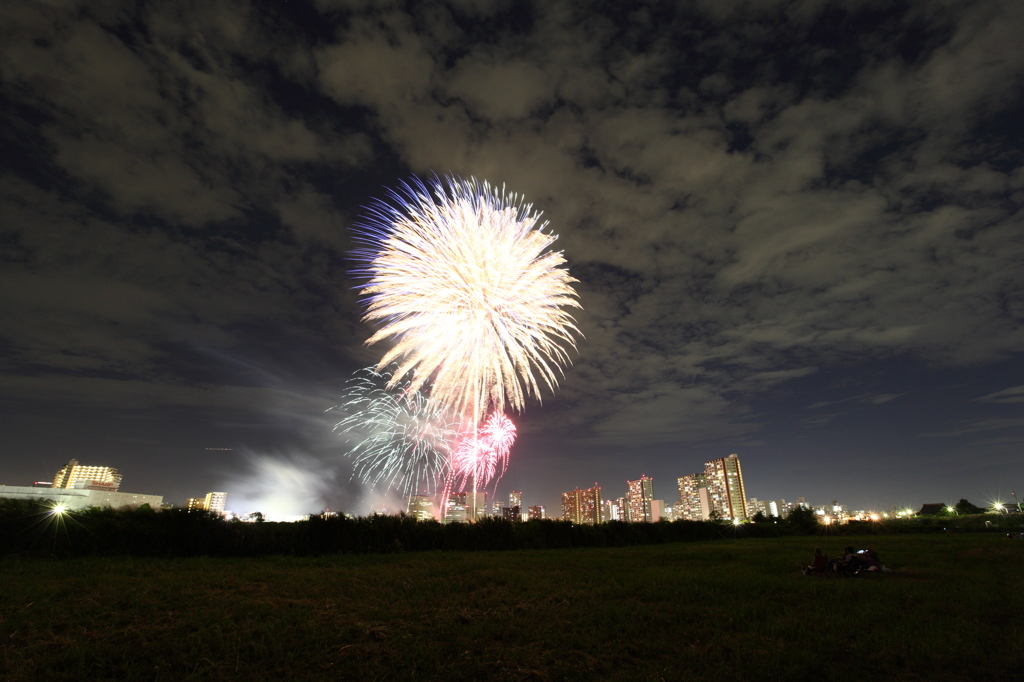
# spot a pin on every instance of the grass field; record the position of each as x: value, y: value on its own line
x: 951, y: 610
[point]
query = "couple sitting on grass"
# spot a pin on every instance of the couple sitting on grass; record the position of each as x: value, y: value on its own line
x: 864, y: 562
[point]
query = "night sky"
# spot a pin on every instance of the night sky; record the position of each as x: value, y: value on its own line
x: 796, y: 227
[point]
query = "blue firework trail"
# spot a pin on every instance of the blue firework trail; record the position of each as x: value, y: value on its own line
x: 398, y: 439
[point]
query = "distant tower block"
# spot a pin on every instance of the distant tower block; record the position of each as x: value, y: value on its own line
x: 725, y: 487
x: 582, y: 506
x: 719, y: 490
x: 215, y: 502
x: 466, y: 499
x: 74, y: 475
x: 692, y: 505
x: 515, y: 505
x: 640, y: 495
x: 421, y: 507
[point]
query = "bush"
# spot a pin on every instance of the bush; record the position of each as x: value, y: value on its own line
x: 31, y: 528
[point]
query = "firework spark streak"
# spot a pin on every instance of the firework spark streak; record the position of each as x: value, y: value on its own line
x: 401, y: 440
x: 461, y: 278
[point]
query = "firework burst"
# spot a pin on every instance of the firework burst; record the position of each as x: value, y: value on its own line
x: 461, y: 278
x: 483, y: 453
x: 400, y: 440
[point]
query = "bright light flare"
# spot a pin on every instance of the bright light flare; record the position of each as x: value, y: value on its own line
x: 58, y: 510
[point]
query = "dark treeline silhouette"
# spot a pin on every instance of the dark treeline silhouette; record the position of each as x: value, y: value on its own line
x: 31, y: 528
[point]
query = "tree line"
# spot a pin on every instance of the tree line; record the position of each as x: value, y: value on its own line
x: 34, y: 528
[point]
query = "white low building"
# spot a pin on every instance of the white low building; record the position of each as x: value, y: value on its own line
x: 80, y: 498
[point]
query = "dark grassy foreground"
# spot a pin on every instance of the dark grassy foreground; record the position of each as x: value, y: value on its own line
x: 727, y: 609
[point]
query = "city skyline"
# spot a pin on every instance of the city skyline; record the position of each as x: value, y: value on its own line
x: 796, y: 229
x: 717, y: 492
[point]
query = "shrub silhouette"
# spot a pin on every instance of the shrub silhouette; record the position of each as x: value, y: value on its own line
x: 31, y: 528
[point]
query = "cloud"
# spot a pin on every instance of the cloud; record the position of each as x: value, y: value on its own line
x: 739, y: 216
x: 167, y: 125
x: 1005, y: 396
x: 979, y: 425
x: 868, y: 399
x: 883, y: 398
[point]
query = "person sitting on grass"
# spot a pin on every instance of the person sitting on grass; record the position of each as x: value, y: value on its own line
x: 819, y: 565
x: 869, y: 562
x: 848, y: 565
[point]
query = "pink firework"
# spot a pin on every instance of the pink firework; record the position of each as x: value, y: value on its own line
x: 484, y: 457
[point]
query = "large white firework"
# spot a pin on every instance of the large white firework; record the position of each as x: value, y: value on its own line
x: 398, y: 439
x: 461, y: 277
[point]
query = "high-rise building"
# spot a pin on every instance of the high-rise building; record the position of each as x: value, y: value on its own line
x: 769, y: 508
x: 455, y: 512
x: 613, y: 510
x: 582, y: 506
x: 590, y: 505
x: 692, y: 489
x: 640, y: 494
x: 421, y: 507
x: 515, y: 505
x: 466, y: 500
x: 536, y: 513
x: 622, y: 509
x: 571, y: 506
x: 725, y: 487
x: 212, y: 502
x: 718, y: 491
x: 215, y: 502
x: 74, y: 475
